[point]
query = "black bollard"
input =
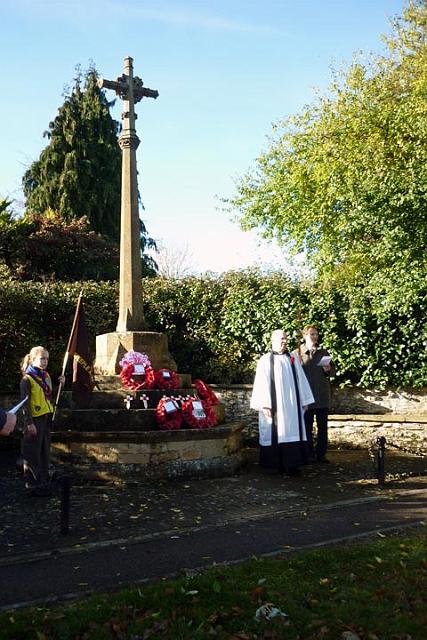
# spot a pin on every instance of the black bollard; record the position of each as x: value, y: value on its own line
x: 65, y: 505
x: 380, y: 460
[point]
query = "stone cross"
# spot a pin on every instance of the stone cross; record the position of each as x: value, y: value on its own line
x: 131, y: 90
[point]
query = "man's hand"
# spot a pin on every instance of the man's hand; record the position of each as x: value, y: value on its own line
x: 267, y: 412
x: 61, y: 379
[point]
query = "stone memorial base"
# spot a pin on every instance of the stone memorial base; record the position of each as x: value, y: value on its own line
x: 111, y: 347
x: 127, y: 455
x: 112, y: 442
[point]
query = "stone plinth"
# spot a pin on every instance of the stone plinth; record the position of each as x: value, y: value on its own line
x: 111, y: 347
x: 157, y: 454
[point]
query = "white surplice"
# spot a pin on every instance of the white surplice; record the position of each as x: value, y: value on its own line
x: 287, y: 409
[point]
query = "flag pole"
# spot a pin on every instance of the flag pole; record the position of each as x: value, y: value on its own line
x: 67, y: 353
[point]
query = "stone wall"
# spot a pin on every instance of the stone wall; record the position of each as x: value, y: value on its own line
x: 357, y: 417
x: 354, y: 400
x: 355, y: 432
x: 409, y: 432
x: 344, y: 401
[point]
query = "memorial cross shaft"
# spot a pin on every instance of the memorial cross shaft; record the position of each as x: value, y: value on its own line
x: 131, y: 90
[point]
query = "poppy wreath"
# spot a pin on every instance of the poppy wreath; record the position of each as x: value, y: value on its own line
x: 166, y: 379
x: 205, y: 392
x: 165, y: 418
x: 145, y: 381
x: 128, y: 363
x: 203, y: 421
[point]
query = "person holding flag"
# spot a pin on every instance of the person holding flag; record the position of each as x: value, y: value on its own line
x: 36, y: 391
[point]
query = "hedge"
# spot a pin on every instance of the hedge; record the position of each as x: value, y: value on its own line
x: 218, y: 326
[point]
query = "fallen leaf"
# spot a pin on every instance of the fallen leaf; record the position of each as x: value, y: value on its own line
x: 257, y: 593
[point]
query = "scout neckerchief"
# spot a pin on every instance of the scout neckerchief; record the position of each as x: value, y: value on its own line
x: 42, y: 378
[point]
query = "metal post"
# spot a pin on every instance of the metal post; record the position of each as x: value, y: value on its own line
x: 65, y: 505
x: 380, y: 460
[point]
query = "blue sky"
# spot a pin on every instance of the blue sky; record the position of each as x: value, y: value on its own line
x: 225, y: 71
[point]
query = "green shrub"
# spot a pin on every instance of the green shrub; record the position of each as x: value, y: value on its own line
x: 218, y: 326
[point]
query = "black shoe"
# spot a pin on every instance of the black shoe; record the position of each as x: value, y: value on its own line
x: 323, y: 461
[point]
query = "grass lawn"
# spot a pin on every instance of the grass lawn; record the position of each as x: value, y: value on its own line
x: 372, y: 591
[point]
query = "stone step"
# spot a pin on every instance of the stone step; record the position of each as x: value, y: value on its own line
x: 140, y: 456
x: 218, y: 431
x: 114, y: 419
x: 114, y: 383
x: 105, y: 420
x: 115, y: 398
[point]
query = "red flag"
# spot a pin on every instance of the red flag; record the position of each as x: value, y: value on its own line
x: 78, y: 348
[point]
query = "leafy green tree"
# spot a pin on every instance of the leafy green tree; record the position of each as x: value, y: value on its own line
x: 346, y: 179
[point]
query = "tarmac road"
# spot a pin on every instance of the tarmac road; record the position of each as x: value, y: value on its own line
x: 104, y: 565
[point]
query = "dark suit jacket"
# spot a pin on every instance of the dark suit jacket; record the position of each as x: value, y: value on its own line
x: 317, y: 378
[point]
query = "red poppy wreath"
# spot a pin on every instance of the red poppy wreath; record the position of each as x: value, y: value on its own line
x: 198, y: 414
x: 166, y: 379
x: 168, y: 414
x: 205, y: 392
x: 144, y: 381
x: 137, y: 372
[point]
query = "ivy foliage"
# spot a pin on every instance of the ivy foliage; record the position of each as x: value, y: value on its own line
x: 219, y: 326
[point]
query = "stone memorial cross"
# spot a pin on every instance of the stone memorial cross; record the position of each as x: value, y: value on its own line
x: 131, y: 90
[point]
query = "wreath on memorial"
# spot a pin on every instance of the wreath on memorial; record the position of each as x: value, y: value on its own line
x: 168, y: 414
x: 198, y: 414
x: 166, y: 379
x: 137, y: 372
x: 205, y: 392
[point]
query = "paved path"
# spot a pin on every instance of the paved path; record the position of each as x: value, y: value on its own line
x: 140, y: 532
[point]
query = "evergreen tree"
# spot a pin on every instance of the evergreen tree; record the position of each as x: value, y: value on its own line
x: 78, y: 174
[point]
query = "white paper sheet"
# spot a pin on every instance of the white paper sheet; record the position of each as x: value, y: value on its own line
x: 170, y: 406
x: 16, y: 408
x: 324, y: 361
